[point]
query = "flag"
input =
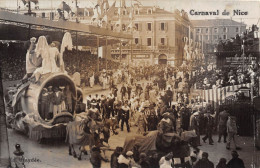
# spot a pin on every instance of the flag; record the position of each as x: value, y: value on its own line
x: 34, y: 1
x: 131, y: 14
x: 110, y: 12
x: 138, y: 2
x: 64, y: 6
x: 130, y: 26
x: 123, y: 4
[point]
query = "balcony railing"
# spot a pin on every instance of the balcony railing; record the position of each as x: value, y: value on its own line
x: 143, y: 48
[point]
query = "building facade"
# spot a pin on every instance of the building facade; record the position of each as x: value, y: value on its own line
x: 209, y: 32
x: 157, y: 35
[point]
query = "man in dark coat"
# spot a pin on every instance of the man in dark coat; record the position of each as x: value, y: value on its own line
x: 169, y: 97
x: 209, y: 120
x: 204, y: 162
x: 129, y: 90
x: 114, y: 157
x: 123, y: 92
x: 96, y: 157
x: 222, y: 125
x: 125, y: 116
x: 235, y: 162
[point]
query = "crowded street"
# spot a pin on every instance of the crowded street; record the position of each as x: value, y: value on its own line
x: 129, y: 84
x: 58, y: 151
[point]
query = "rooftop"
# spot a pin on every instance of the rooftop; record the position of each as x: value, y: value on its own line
x: 216, y: 22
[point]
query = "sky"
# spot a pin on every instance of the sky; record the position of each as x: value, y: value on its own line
x: 252, y: 7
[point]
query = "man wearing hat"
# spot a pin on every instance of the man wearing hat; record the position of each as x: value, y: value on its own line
x: 231, y: 131
x: 209, y: 121
x: 93, y: 112
x: 166, y: 161
x: 204, y: 162
x: 222, y: 125
x: 235, y: 162
x: 194, y: 125
x: 125, y: 116
x: 166, y: 125
x: 57, y: 98
x: 44, y: 104
x: 18, y: 158
x: 50, y: 93
x: 126, y: 160
x: 96, y: 158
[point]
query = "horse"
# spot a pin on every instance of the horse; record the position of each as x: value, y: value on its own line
x: 85, y: 133
x: 111, y: 123
x: 154, y: 141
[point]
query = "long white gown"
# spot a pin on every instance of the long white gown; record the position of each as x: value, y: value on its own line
x: 48, y: 54
x: 54, y: 55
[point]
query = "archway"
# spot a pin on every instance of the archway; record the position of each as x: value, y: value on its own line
x: 162, y: 59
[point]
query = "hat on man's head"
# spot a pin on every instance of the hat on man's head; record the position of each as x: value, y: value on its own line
x: 55, y: 89
x: 45, y: 90
x: 129, y: 153
x: 234, y: 153
x: 167, y: 114
x: 93, y: 102
x: 142, y: 155
x: 18, y: 151
x: 196, y: 113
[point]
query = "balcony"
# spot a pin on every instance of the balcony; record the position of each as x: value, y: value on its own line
x: 143, y: 49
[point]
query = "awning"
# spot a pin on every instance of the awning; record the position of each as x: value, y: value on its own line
x: 16, y: 27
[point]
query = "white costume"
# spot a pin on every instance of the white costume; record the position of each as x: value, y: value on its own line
x: 92, y: 80
x: 49, y: 56
x: 66, y: 42
x: 42, y: 49
x: 54, y: 55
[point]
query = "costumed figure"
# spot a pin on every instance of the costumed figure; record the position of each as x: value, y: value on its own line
x: 57, y: 98
x: 66, y: 43
x: 19, y: 158
x: 68, y: 96
x: 92, y: 80
x: 32, y: 61
x: 44, y: 104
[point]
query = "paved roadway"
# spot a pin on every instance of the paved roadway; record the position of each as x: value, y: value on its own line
x: 55, y: 154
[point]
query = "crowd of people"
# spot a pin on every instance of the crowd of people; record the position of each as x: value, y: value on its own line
x: 150, y: 105
x: 12, y: 61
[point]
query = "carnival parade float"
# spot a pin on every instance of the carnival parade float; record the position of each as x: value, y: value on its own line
x: 44, y: 102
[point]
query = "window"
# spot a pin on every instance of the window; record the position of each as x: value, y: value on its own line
x: 224, y: 37
x: 149, y: 41
x: 149, y: 26
x: 149, y: 11
x: 198, y: 30
x: 163, y: 41
x: 224, y: 29
x: 207, y: 30
x: 112, y: 27
x: 215, y: 29
x: 136, y: 26
x: 123, y: 27
x: 124, y: 12
x: 162, y: 26
x: 136, y: 12
x: 136, y: 40
x: 237, y: 29
x: 216, y: 37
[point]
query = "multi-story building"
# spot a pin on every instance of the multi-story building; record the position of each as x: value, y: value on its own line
x: 157, y: 35
x: 209, y: 32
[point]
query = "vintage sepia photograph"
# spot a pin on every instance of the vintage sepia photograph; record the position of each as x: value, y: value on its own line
x: 129, y: 84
